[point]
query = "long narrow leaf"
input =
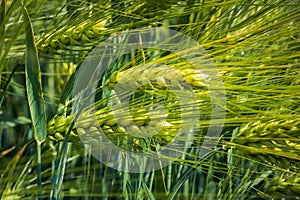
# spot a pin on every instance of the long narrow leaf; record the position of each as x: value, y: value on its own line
x: 33, y: 83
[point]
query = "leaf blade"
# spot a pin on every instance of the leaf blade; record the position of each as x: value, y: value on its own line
x: 33, y: 83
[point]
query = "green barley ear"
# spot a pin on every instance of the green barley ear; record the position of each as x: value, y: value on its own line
x: 86, y: 33
x: 279, y: 184
x: 275, y: 142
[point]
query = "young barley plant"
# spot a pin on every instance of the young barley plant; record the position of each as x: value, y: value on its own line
x: 255, y: 47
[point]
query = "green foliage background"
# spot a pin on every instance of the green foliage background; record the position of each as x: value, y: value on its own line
x: 255, y: 46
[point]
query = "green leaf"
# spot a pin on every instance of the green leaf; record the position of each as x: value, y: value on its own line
x: 33, y: 83
x: 2, y: 31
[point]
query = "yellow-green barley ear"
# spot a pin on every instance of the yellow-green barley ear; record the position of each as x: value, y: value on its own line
x: 74, y: 36
x: 270, y: 138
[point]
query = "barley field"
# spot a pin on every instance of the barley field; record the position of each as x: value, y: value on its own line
x: 123, y: 99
